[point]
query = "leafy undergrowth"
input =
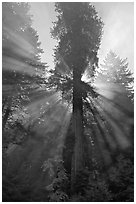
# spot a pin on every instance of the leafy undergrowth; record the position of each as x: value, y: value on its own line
x: 88, y: 186
x: 119, y: 187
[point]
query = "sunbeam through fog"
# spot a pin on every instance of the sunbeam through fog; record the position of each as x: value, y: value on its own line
x: 67, y: 125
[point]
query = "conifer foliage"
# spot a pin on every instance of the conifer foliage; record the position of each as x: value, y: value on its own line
x: 78, y: 31
x: 22, y: 70
x: 115, y: 70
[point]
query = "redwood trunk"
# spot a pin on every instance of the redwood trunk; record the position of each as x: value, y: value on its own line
x: 78, y: 160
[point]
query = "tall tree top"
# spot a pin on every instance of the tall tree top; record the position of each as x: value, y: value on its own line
x: 116, y: 69
x: 78, y: 31
x: 116, y: 73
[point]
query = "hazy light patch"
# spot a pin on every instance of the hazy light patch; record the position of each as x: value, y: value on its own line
x: 122, y: 140
x: 49, y: 117
x: 53, y: 125
x: 45, y: 100
x: 43, y: 16
x: 119, y: 132
x: 85, y: 77
x: 106, y: 89
x: 118, y: 18
x: 100, y: 142
x: 115, y: 94
x: 111, y: 142
x: 40, y: 107
x: 9, y: 63
x: 16, y: 51
x: 64, y: 121
x: 19, y: 45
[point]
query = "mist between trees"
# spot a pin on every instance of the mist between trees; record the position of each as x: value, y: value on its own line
x: 68, y: 132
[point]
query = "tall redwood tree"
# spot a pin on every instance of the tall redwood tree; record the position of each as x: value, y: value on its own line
x: 78, y: 31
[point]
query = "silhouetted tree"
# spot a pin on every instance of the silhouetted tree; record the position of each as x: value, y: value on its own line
x: 78, y: 31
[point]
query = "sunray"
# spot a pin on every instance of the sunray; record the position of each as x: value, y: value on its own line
x: 126, y: 110
x: 106, y: 143
x: 120, y: 133
x: 18, y: 44
x: 106, y: 127
x: 110, y: 143
x: 64, y: 124
x: 39, y: 107
x: 10, y: 63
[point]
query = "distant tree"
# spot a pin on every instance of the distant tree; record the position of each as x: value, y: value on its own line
x: 115, y: 70
x: 78, y: 31
x: 116, y: 83
x: 22, y: 70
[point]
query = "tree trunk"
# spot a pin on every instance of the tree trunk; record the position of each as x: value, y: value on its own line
x: 78, y: 161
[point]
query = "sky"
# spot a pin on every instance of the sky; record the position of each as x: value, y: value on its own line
x: 118, y: 36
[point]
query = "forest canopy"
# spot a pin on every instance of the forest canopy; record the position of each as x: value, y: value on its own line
x: 67, y: 132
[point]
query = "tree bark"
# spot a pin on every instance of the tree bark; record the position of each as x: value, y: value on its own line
x: 78, y: 161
